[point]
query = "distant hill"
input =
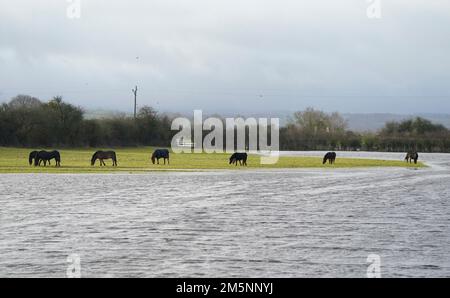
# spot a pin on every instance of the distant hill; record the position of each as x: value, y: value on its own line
x: 373, y: 122
x: 101, y: 114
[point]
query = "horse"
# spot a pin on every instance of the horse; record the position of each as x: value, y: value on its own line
x: 410, y: 156
x: 239, y: 157
x: 161, y: 153
x: 102, y: 155
x: 44, y: 156
x: 330, y: 157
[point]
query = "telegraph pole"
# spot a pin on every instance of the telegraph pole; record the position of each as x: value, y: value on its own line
x: 135, y: 90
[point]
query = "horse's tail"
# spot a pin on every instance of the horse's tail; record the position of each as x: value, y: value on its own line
x: 114, y: 158
x: 153, y: 158
x: 57, y: 158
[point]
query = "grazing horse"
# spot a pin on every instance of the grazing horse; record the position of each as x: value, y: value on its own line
x: 410, y: 156
x: 32, y: 157
x: 161, y: 153
x: 239, y: 157
x: 102, y: 155
x: 330, y: 157
x: 44, y: 156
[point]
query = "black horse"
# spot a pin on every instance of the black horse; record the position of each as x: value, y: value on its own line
x: 410, y: 156
x: 330, y: 157
x: 239, y: 157
x: 44, y: 156
x: 102, y: 155
x: 32, y: 157
x: 161, y: 153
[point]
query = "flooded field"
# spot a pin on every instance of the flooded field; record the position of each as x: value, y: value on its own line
x: 271, y: 223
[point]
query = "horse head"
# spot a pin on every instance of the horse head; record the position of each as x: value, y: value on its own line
x: 94, y: 158
x: 31, y: 157
x: 233, y: 159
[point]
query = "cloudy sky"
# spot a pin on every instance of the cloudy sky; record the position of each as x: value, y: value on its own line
x: 230, y: 55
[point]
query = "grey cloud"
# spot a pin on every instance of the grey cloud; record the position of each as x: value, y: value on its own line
x: 235, y: 55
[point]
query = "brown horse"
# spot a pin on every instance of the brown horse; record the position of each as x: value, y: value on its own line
x: 102, y: 155
x: 410, y: 156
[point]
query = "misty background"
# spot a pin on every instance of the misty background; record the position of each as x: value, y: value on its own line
x: 261, y: 57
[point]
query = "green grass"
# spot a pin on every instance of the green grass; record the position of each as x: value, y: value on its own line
x: 136, y: 160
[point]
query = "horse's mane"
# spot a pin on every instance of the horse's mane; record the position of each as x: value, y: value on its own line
x: 94, y: 157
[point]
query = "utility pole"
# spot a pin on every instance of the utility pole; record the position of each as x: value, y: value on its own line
x: 135, y: 96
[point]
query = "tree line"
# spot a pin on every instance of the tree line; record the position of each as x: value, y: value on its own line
x: 26, y: 121
x: 316, y: 130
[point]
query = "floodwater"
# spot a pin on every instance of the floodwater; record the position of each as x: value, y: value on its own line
x: 277, y: 223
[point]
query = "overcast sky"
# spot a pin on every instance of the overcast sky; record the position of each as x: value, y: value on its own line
x: 230, y: 55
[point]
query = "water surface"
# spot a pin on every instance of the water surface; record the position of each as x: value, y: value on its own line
x: 273, y: 223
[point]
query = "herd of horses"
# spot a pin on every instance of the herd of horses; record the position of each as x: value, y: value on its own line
x: 39, y: 157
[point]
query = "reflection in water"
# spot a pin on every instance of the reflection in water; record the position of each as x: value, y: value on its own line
x: 296, y: 223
